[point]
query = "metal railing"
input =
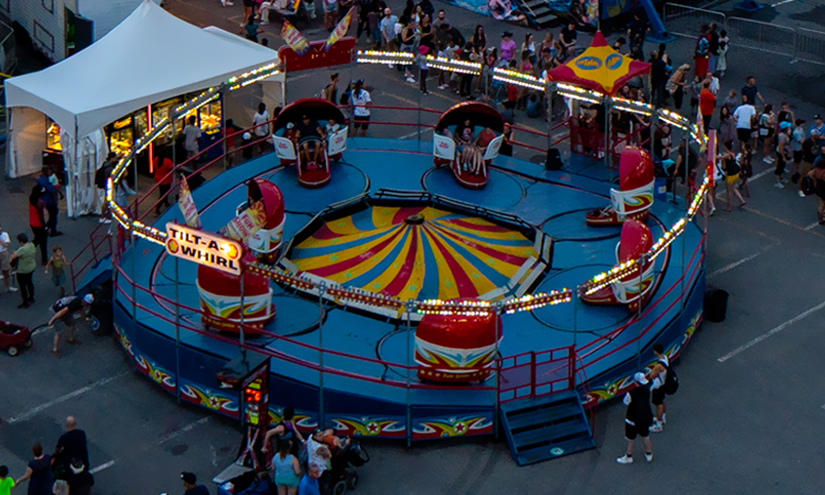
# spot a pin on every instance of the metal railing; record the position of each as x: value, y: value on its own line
x: 802, y: 45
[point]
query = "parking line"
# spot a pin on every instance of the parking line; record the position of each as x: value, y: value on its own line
x: 733, y: 265
x: 71, y: 395
x: 102, y: 467
x: 776, y: 330
x: 812, y: 226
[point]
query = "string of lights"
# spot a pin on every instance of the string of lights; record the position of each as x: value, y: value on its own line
x: 384, y: 57
x: 528, y: 302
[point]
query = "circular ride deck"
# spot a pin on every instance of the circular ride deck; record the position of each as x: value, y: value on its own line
x: 368, y: 378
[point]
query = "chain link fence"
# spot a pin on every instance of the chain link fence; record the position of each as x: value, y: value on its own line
x: 804, y: 45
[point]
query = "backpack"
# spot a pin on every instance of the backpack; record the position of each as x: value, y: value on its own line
x: 808, y: 185
x: 61, y: 303
x: 671, y: 380
x: 344, y: 99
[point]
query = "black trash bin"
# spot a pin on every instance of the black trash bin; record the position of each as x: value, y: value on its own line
x: 716, y: 305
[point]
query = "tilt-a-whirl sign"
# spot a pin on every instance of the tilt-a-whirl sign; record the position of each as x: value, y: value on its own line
x: 204, y: 248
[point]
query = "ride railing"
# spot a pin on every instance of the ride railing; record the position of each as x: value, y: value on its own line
x: 802, y: 45
x: 536, y: 373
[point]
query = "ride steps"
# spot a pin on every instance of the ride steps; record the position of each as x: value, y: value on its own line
x: 538, y: 12
x: 547, y: 427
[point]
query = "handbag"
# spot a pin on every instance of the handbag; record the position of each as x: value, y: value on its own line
x: 808, y: 185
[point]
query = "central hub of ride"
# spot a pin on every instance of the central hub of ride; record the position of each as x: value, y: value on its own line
x: 422, y: 249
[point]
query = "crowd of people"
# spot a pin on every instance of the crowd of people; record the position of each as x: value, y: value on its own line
x: 64, y: 472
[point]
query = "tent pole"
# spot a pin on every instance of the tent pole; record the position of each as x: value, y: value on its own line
x: 223, y: 127
x: 9, y: 134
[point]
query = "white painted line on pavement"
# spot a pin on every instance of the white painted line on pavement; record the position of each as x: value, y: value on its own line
x: 781, y: 3
x: 812, y: 226
x: 102, y: 467
x: 407, y: 136
x: 183, y: 430
x: 772, y: 332
x: 733, y: 265
x: 76, y: 393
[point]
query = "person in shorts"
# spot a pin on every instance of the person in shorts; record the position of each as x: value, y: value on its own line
x: 5, y: 260
x: 68, y: 308
x: 58, y: 264
x: 638, y: 418
x: 744, y: 115
x: 360, y: 101
x: 658, y: 375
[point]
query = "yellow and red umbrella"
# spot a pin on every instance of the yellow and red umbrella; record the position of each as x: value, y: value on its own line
x: 600, y: 68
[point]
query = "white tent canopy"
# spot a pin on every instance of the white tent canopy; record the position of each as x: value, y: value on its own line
x: 150, y: 57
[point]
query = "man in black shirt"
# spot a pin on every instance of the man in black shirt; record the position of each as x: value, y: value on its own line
x: 308, y: 128
x: 568, y: 38
x: 65, y: 310
x: 71, y: 445
x: 658, y: 78
x: 638, y: 418
x: 190, y: 483
x: 638, y: 28
x: 453, y: 34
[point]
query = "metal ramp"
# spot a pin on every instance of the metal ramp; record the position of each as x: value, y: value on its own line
x: 543, y: 428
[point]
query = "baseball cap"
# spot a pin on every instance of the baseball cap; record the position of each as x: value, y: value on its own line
x: 784, y: 124
x: 817, y: 117
x: 188, y: 477
x: 247, y: 136
x: 290, y: 125
x: 640, y: 378
x: 88, y: 299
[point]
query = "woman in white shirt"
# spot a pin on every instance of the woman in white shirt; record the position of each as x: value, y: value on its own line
x: 260, y: 120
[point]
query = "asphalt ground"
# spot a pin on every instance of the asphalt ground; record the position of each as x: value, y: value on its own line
x: 747, y: 418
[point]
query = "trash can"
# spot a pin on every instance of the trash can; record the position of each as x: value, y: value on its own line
x: 716, y: 305
x: 660, y: 189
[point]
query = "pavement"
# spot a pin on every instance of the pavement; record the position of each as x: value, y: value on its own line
x: 747, y: 417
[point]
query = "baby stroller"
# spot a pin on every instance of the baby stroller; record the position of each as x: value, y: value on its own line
x: 342, y: 475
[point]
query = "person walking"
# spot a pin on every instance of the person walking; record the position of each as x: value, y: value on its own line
x: 38, y: 473
x: 423, y: 68
x: 191, y: 134
x: 783, y: 153
x: 37, y: 222
x: 287, y: 469
x: 58, y: 263
x: 638, y: 418
x: 190, y: 483
x: 818, y: 175
x: 309, y: 483
x: 751, y: 92
x: 26, y: 264
x: 745, y: 115
x: 65, y: 309
x: 71, y: 445
x: 80, y: 480
x: 727, y: 127
x: 360, y: 101
x: 707, y: 105
x: 731, y: 171
x: 797, y: 138
x: 767, y: 125
x: 722, y: 59
x: 745, y: 161
x: 5, y: 260
x: 658, y: 79
x: 50, y: 196
x: 261, y: 127
x: 6, y: 482
x: 163, y: 178
x: 676, y: 85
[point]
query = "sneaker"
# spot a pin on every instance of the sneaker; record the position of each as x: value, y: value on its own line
x: 656, y: 428
x: 649, y: 456
x: 625, y: 459
x: 391, y: 66
x: 766, y: 160
x: 801, y: 194
x: 712, y: 211
x: 779, y: 185
x: 784, y: 181
x: 664, y: 418
x: 12, y: 289
x: 411, y: 80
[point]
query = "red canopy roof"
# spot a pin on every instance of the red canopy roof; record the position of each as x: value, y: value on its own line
x: 600, y: 68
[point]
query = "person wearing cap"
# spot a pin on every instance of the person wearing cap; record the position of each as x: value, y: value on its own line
x: 80, y: 480
x: 783, y: 153
x: 190, y: 483
x: 69, y: 306
x: 817, y: 129
x: 638, y: 418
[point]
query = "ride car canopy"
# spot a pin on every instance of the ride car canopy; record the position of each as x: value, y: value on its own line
x: 600, y: 68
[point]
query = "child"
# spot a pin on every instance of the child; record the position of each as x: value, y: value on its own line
x: 423, y: 68
x: 6, y: 483
x: 695, y: 89
x: 58, y: 263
